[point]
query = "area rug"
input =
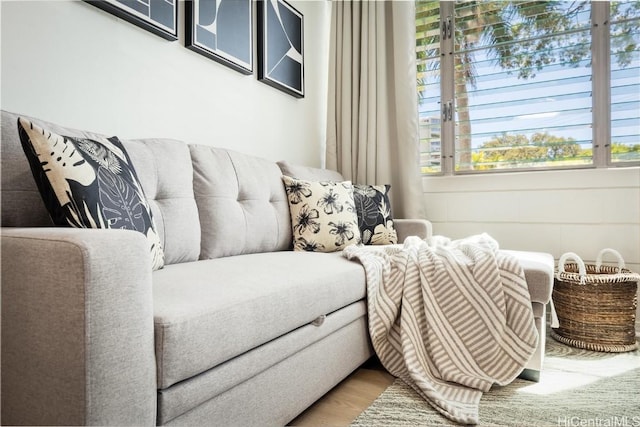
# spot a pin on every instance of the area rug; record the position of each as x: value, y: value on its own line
x: 576, y: 388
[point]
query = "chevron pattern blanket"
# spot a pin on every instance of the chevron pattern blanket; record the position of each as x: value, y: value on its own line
x: 451, y: 318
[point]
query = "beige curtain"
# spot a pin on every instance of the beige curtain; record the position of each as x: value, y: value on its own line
x: 372, y: 124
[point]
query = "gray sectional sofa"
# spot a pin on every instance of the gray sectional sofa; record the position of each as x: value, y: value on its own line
x: 236, y: 329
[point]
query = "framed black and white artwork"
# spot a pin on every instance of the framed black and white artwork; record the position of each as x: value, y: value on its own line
x: 281, y: 46
x: 158, y: 16
x: 221, y: 30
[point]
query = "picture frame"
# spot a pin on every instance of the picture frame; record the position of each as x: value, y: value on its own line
x: 221, y: 30
x: 281, y: 46
x: 157, y: 16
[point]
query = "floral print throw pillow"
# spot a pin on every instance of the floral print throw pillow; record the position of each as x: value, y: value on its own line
x: 87, y: 183
x: 323, y: 215
x: 374, y: 214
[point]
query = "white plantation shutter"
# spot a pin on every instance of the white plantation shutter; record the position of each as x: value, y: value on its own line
x: 428, y: 58
x: 521, y: 84
x: 552, y: 96
x: 625, y: 81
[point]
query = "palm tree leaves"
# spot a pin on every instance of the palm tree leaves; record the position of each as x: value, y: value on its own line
x: 519, y: 37
x: 56, y: 158
x: 367, y: 208
x: 625, y: 38
x: 120, y: 202
x: 374, y: 214
x: 101, y: 155
x: 87, y: 183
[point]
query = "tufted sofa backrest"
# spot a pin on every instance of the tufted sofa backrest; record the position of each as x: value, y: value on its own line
x: 163, y: 167
x: 21, y: 203
x: 207, y: 202
x: 241, y: 202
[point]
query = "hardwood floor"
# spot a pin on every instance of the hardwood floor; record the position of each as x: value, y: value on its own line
x: 348, y: 399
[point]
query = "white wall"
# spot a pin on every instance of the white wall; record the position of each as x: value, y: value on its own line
x: 76, y: 65
x: 71, y: 63
x: 579, y: 211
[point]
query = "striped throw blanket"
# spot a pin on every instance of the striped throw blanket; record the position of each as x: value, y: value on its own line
x: 451, y: 318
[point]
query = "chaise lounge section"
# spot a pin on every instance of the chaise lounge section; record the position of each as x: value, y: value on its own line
x: 236, y: 329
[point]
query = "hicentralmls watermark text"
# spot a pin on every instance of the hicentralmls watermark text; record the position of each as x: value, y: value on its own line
x: 623, y: 421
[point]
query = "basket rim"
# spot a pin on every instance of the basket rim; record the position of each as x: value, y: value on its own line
x: 606, y: 274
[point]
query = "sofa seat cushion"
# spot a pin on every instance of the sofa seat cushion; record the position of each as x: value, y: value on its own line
x: 210, y: 311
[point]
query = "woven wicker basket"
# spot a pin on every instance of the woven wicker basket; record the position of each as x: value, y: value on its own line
x: 595, y: 304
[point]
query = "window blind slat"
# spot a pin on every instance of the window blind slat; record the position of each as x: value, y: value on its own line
x: 523, y: 83
x: 625, y: 82
x: 428, y: 75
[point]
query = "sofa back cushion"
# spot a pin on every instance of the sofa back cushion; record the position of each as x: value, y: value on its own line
x: 308, y: 173
x: 241, y: 201
x: 163, y: 168
x: 165, y: 172
x: 22, y: 204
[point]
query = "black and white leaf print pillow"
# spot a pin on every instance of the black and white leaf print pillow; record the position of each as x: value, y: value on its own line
x: 323, y: 215
x: 374, y: 214
x: 88, y: 183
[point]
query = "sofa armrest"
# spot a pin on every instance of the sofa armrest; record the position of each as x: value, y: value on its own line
x: 412, y: 227
x: 77, y: 328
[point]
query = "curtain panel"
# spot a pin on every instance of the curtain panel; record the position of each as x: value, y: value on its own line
x: 372, y: 123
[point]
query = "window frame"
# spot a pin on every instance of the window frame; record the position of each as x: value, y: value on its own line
x: 601, y: 98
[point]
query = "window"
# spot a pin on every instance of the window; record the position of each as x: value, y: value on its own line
x: 524, y: 85
x: 625, y: 81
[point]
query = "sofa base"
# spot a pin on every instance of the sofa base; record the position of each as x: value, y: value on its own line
x: 303, y: 378
x: 538, y: 270
x: 279, y: 394
x: 533, y: 368
x: 530, y: 375
x: 193, y: 392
